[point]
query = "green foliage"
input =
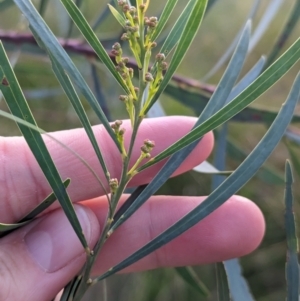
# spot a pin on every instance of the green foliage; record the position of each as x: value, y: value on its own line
x: 143, y: 78
x: 292, y: 265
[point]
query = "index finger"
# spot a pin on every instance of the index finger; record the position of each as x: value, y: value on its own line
x: 23, y: 185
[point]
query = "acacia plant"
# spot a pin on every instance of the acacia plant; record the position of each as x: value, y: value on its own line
x: 143, y: 64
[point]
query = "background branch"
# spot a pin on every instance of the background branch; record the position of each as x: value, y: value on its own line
x: 78, y: 47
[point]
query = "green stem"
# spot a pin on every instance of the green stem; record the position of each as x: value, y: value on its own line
x: 125, y: 176
x: 86, y: 283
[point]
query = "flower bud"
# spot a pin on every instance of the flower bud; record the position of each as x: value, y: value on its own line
x: 123, y: 97
x: 115, y: 52
x: 116, y: 125
x: 153, y: 44
x: 132, y: 29
x: 121, y: 65
x: 116, y: 46
x: 147, y: 147
x: 113, y: 184
x: 148, y: 77
x: 130, y: 71
x: 122, y: 131
x: 144, y: 149
x: 132, y: 10
x: 160, y: 57
x: 118, y: 122
x: 125, y: 8
x: 135, y: 19
x: 164, y: 65
x: 124, y: 75
x: 125, y: 37
x: 153, y: 19
x: 149, y: 143
x: 125, y: 60
x: 142, y: 7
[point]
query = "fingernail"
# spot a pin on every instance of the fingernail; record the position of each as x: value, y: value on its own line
x: 52, y: 242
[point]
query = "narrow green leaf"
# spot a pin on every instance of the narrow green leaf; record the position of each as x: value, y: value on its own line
x: 78, y: 3
x: 267, y: 173
x: 292, y: 264
x: 19, y: 107
x: 210, y: 4
x: 43, y: 6
x: 5, y: 4
x: 176, y: 32
x: 220, y: 155
x: 117, y: 15
x: 216, y: 102
x: 294, y: 157
x: 230, y: 186
x: 192, y: 24
x: 229, y: 77
x: 227, y: 53
x: 164, y: 17
x: 222, y: 283
x: 265, y: 21
x: 28, y: 125
x: 97, y: 84
x: 197, y: 100
x: 129, y: 201
x: 47, y: 202
x: 103, y: 14
x: 93, y: 40
x: 206, y: 168
x: 191, y: 278
x: 66, y: 84
x: 293, y: 135
x: 40, y: 29
x: 286, y: 32
x: 250, y: 76
x: 9, y: 227
x: 68, y: 88
x: 70, y: 289
x: 253, y: 91
x: 239, y: 289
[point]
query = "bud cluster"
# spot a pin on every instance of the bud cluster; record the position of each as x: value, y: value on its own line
x: 116, y: 126
x: 124, y: 71
x: 127, y: 75
x: 155, y: 78
x: 151, y: 24
x: 147, y: 148
x: 132, y: 33
x: 139, y: 32
x: 117, y: 52
x: 113, y: 184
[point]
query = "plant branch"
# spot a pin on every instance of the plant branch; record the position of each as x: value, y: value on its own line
x: 78, y: 47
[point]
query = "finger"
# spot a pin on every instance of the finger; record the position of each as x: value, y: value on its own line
x: 233, y: 230
x: 38, y: 260
x: 22, y: 183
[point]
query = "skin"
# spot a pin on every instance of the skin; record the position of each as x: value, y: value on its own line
x: 30, y: 268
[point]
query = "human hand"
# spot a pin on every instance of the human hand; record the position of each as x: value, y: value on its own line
x: 38, y: 260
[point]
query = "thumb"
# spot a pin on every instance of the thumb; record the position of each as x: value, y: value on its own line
x: 37, y: 261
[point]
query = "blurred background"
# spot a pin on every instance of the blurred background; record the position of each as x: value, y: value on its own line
x: 265, y: 268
